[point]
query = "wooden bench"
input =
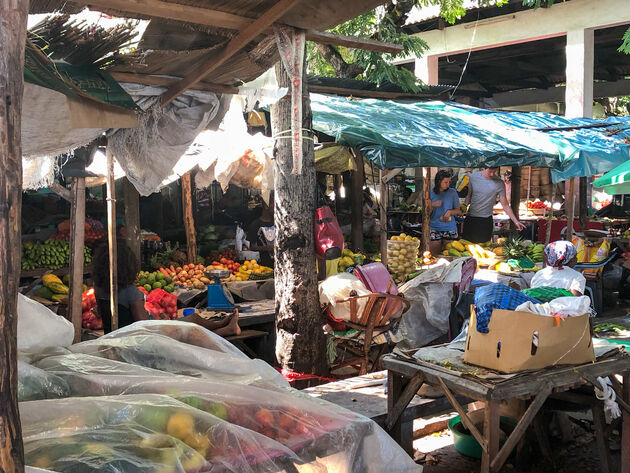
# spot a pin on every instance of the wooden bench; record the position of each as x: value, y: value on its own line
x: 247, y: 334
x: 366, y: 395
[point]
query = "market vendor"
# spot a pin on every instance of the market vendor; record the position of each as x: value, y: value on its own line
x: 261, y: 234
x: 561, y: 256
x: 445, y: 205
x: 130, y: 298
x: 484, y: 188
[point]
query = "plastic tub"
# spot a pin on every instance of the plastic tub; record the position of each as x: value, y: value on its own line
x: 466, y: 444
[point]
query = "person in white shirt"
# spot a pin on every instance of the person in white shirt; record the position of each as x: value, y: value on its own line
x: 561, y: 257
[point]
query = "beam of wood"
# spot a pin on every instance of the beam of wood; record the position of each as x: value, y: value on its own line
x: 132, y: 219
x: 172, y: 11
x: 13, y: 19
x: 520, y: 428
x: 77, y: 240
x: 148, y: 79
x: 550, y: 216
x: 61, y: 191
x: 583, y: 203
x: 469, y: 424
x: 189, y: 221
x: 570, y: 209
x: 625, y: 427
x: 515, y: 194
x: 391, y: 175
x: 111, y: 239
x: 353, y: 42
x: 491, y: 434
x: 426, y: 208
x: 382, y: 205
x: 403, y: 400
x: 358, y: 179
x: 237, y: 43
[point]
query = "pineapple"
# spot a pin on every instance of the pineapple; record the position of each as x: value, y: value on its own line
x: 513, y: 249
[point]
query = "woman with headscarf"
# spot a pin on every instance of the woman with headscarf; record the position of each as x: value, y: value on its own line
x: 561, y: 256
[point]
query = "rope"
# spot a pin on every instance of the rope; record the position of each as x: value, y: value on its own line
x: 607, y: 394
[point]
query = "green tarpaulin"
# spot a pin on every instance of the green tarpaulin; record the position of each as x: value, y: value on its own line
x: 73, y: 81
x: 400, y: 134
x: 616, y: 181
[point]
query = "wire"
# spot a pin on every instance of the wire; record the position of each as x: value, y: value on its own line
x: 472, y: 41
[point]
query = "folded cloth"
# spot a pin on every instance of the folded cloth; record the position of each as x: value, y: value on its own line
x: 546, y: 293
x: 496, y: 296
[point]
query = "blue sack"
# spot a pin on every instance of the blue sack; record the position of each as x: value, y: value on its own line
x: 497, y: 296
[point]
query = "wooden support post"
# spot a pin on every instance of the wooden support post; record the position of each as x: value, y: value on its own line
x: 529, y: 183
x: 357, y: 203
x: 189, y: 220
x: 550, y: 216
x: 426, y: 209
x: 77, y: 242
x: 625, y: 427
x: 337, y: 186
x: 13, y: 17
x: 132, y: 219
x: 570, y: 210
x: 515, y: 195
x: 583, y: 207
x: 382, y: 205
x: 491, y: 435
x: 111, y: 240
x: 401, y: 432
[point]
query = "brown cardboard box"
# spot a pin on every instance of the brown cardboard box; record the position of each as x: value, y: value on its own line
x: 508, y: 346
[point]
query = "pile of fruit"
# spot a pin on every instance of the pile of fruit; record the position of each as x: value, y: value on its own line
x: 224, y: 264
x: 89, y: 317
x: 537, y: 205
x: 93, y: 231
x: 626, y: 234
x: 457, y: 248
x: 427, y: 258
x: 155, y: 280
x: 536, y: 252
x: 188, y: 275
x: 229, y: 254
x: 348, y: 258
x: 252, y: 270
x: 53, y: 288
x: 52, y: 254
x: 160, y: 304
x: 402, y: 254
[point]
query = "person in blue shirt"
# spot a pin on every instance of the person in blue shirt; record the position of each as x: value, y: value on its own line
x: 445, y: 204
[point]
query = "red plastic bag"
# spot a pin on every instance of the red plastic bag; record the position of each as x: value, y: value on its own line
x: 161, y: 305
x: 328, y: 236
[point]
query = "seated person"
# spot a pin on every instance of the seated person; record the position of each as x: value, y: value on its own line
x: 561, y: 256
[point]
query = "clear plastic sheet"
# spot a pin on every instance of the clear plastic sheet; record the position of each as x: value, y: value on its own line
x: 35, y: 383
x: 160, y: 352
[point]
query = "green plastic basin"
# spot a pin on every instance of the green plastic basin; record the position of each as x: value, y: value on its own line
x: 466, y: 444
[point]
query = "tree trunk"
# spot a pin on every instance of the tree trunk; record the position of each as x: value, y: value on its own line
x: 300, y: 340
x: 13, y: 15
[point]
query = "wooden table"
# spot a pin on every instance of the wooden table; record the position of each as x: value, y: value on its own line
x: 406, y: 377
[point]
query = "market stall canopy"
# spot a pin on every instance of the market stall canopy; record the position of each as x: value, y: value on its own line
x: 616, y: 181
x: 400, y: 134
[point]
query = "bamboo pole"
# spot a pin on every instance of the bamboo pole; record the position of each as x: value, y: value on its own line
x: 189, y: 219
x: 382, y: 204
x: 570, y: 202
x: 426, y: 209
x: 77, y: 241
x: 111, y: 240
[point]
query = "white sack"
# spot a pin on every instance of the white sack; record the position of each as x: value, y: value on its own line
x: 562, y: 306
x: 40, y: 328
x: 339, y: 287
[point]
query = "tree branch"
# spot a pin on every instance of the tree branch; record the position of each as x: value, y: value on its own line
x: 341, y: 67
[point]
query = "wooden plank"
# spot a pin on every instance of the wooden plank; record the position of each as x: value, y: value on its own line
x: 376, y: 94
x: 410, y: 390
x: 382, y: 205
x: 172, y: 11
x: 356, y: 202
x: 401, y: 432
x: 426, y: 209
x: 77, y: 241
x: 391, y: 174
x: 515, y: 195
x: 13, y: 18
x: 111, y: 239
x: 550, y: 216
x: 132, y: 219
x: 521, y: 428
x: 61, y: 191
x: 491, y: 435
x: 570, y: 210
x: 148, y: 79
x: 353, y: 42
x: 237, y: 43
x: 189, y: 221
x: 583, y: 204
x: 599, y: 425
x: 468, y: 423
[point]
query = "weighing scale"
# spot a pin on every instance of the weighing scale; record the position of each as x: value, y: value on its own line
x: 217, y: 299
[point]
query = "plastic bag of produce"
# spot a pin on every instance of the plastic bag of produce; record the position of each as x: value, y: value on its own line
x: 309, y: 427
x: 162, y: 353
x: 339, y: 287
x: 142, y: 434
x: 598, y: 255
x: 185, y: 332
x: 35, y: 383
x: 40, y: 328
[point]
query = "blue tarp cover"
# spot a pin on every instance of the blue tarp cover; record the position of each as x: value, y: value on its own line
x: 400, y: 134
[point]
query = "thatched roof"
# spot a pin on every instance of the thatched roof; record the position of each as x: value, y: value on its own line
x: 174, y: 47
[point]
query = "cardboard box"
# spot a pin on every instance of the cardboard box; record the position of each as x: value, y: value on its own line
x: 508, y: 347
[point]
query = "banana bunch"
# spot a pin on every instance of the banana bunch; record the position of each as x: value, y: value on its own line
x: 536, y: 252
x: 52, y: 254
